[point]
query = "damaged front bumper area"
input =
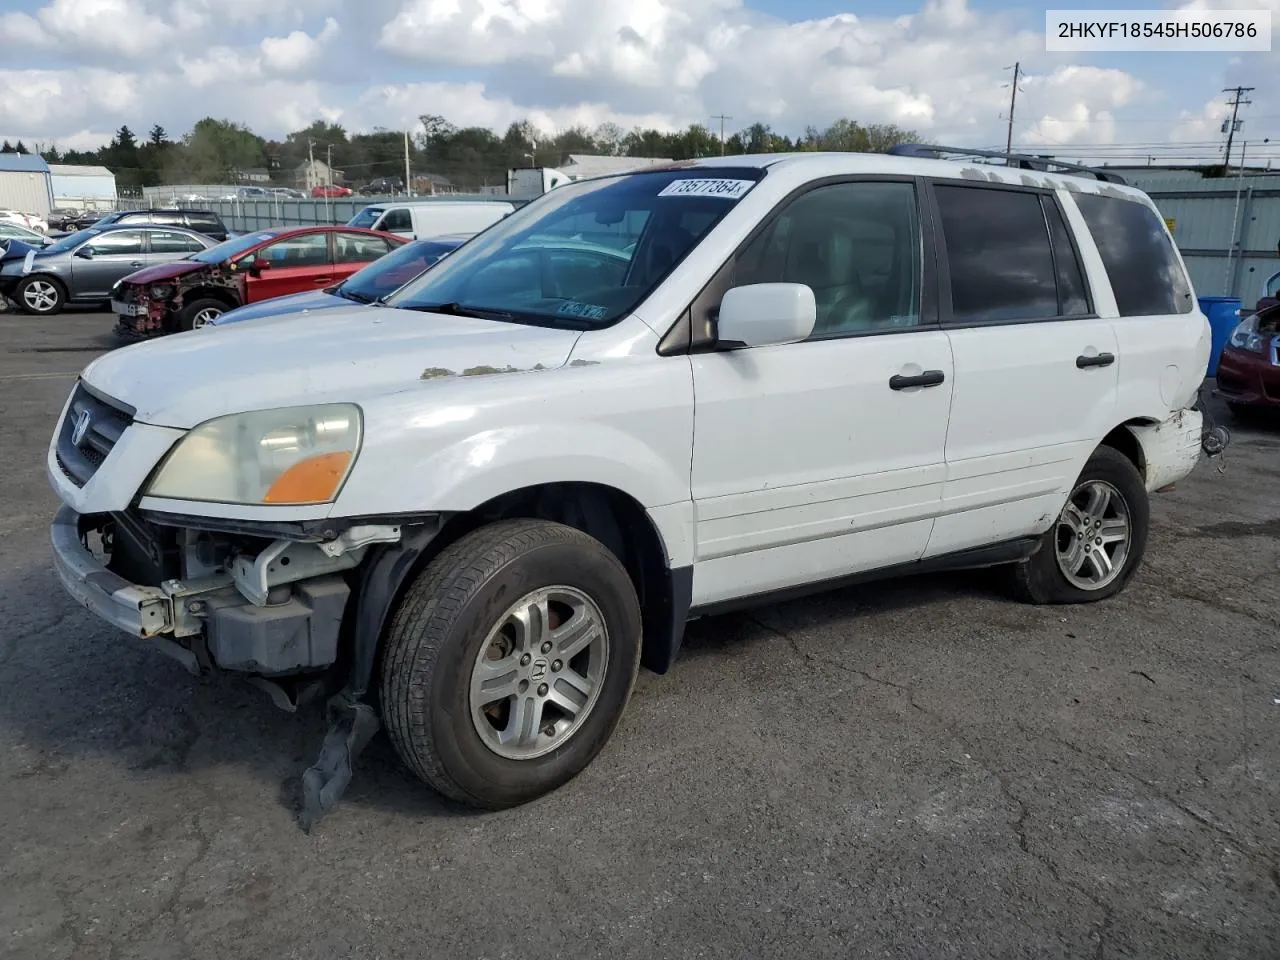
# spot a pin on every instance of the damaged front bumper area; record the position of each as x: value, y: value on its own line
x: 270, y: 609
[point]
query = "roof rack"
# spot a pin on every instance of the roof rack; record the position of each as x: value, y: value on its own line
x: 1021, y: 161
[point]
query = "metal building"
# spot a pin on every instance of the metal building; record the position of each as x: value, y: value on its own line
x: 79, y: 187
x: 24, y: 184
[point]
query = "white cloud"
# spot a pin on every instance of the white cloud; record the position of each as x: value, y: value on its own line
x: 938, y: 68
x: 298, y: 50
x: 124, y: 27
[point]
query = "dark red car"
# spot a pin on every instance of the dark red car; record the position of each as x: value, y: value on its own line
x: 188, y: 293
x: 329, y: 190
x: 1249, y: 369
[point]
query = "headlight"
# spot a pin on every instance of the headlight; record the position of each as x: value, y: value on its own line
x: 294, y: 455
x: 161, y: 291
x: 1246, y: 336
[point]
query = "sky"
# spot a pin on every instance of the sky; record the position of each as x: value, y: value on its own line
x: 72, y: 71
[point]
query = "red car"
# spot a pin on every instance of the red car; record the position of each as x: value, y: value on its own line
x: 188, y: 293
x: 1249, y: 369
x: 329, y: 190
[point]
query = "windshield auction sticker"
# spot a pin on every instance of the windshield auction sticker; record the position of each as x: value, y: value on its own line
x: 728, y: 189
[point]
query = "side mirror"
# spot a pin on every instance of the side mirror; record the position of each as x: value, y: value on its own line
x: 764, y: 314
x: 85, y: 252
x: 258, y: 265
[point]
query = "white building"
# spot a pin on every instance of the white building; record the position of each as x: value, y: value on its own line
x: 24, y: 184
x: 79, y: 187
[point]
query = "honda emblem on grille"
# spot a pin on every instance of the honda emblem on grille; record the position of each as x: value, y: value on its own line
x: 84, y: 419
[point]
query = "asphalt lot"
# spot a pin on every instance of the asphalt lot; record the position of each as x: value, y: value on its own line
x: 913, y: 769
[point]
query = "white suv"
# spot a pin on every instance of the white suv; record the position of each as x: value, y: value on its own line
x: 476, y: 509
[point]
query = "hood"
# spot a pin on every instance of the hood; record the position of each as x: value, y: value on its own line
x: 165, y: 271
x: 16, y: 250
x: 295, y: 303
x: 186, y: 378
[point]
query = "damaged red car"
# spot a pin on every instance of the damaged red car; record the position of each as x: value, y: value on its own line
x: 187, y: 294
x: 1249, y: 370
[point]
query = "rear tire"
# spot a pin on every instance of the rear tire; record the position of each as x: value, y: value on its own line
x: 1096, y: 545
x: 509, y: 661
x: 198, y: 313
x: 40, y: 296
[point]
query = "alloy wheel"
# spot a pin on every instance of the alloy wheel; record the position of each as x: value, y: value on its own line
x: 1093, y: 535
x: 205, y: 317
x: 539, y: 672
x: 40, y: 296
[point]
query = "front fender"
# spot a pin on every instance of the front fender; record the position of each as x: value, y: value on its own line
x: 486, y: 464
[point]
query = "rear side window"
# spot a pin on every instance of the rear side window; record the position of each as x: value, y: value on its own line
x: 1073, y: 298
x: 999, y: 254
x: 199, y: 220
x: 164, y: 242
x: 397, y: 219
x: 1139, y: 256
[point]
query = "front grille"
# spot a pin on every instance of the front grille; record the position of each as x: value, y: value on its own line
x: 98, y: 424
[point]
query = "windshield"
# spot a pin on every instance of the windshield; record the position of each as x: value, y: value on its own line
x: 366, y: 218
x: 388, y: 274
x: 230, y: 248
x: 585, y: 254
x: 72, y: 240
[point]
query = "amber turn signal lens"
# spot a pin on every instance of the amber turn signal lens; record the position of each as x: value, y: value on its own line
x: 314, y: 480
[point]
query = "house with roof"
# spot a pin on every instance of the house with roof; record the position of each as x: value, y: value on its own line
x: 25, y: 184
x: 82, y: 187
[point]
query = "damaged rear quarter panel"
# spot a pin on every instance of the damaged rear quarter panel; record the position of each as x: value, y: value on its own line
x: 1170, y: 449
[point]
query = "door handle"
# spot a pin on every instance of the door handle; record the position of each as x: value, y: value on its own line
x: 930, y: 378
x: 1101, y: 360
x: 135, y: 263
x: 322, y: 279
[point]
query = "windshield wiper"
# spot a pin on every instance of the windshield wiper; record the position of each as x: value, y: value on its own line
x: 455, y: 309
x: 352, y: 295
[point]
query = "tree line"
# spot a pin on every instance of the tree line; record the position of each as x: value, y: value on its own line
x: 221, y: 151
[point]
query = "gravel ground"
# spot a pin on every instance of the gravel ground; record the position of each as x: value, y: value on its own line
x: 912, y: 769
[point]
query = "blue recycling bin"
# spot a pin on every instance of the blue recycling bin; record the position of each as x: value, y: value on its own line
x: 1223, y: 314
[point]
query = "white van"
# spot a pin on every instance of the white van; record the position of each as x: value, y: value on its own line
x: 418, y: 219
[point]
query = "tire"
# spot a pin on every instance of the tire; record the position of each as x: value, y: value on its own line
x: 40, y: 296
x: 457, y: 609
x: 197, y: 313
x: 1045, y: 577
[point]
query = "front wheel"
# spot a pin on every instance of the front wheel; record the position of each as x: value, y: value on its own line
x: 200, y: 313
x: 42, y: 296
x: 1096, y: 545
x: 509, y: 662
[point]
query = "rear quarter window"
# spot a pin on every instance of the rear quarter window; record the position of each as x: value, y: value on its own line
x: 1138, y: 255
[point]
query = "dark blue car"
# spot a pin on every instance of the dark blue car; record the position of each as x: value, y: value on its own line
x: 383, y: 276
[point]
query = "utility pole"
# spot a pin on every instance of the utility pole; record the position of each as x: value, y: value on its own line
x: 408, y: 180
x: 1236, y: 104
x: 722, y: 118
x: 311, y: 163
x: 1013, y: 102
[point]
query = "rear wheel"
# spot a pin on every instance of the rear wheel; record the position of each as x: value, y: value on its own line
x: 42, y: 296
x: 200, y: 313
x: 1097, y: 543
x: 509, y: 662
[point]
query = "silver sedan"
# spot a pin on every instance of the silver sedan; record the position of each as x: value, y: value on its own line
x: 82, y: 267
